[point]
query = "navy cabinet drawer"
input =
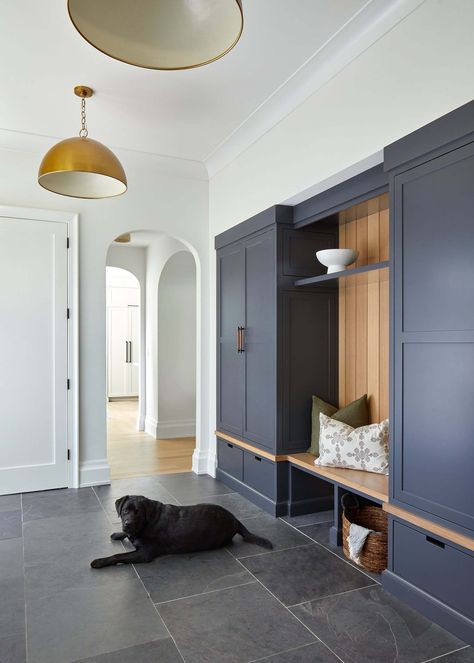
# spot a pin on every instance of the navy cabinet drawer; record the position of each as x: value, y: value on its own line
x: 230, y: 458
x: 437, y: 568
x: 260, y: 474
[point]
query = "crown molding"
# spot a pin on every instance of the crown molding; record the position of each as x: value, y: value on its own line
x: 373, y: 21
x: 38, y: 145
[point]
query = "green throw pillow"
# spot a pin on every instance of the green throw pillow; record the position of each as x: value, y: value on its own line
x: 356, y: 414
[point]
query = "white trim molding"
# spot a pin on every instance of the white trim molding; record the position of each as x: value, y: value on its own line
x: 94, y: 473
x: 166, y: 430
x: 202, y: 463
x: 368, y: 25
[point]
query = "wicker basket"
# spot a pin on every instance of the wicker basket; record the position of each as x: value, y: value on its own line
x: 374, y: 553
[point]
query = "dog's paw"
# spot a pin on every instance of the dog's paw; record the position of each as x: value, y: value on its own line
x: 99, y: 563
x: 117, y: 536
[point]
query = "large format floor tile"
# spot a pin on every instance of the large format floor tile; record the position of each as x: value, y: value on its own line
x: 191, y: 488
x: 314, y: 653
x: 465, y: 655
x: 304, y: 573
x: 80, y: 623
x: 274, y: 529
x: 310, y: 518
x: 10, y: 502
x: 12, y: 602
x: 160, y: 651
x: 65, y: 502
x: 176, y: 576
x: 320, y: 533
x: 370, y: 626
x: 13, y: 648
x: 148, y: 486
x: 232, y: 626
x: 10, y: 524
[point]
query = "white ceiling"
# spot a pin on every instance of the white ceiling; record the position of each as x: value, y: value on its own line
x: 193, y: 114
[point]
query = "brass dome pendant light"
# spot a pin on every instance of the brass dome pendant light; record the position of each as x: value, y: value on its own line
x: 81, y: 167
x: 160, y: 34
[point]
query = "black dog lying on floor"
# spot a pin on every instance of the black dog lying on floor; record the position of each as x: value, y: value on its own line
x: 163, y: 529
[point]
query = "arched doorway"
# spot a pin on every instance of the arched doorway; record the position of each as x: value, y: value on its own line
x: 157, y: 433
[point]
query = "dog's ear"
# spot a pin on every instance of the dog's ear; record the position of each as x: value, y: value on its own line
x: 149, y: 509
x: 119, y: 504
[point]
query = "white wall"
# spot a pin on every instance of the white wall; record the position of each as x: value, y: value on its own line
x: 169, y: 196
x: 419, y: 71
x: 177, y: 347
x: 159, y: 252
x: 133, y: 259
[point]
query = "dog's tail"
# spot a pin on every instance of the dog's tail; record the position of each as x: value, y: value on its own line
x: 253, y: 538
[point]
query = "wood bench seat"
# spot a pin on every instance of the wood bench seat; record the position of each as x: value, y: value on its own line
x: 367, y: 483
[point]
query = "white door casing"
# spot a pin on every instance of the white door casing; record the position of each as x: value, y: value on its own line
x: 37, y: 412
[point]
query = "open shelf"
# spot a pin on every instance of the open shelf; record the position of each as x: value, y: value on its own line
x: 314, y: 280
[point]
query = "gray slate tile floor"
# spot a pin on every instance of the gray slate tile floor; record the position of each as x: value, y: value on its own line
x: 301, y: 603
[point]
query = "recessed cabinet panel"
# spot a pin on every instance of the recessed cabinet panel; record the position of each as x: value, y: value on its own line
x: 437, y: 203
x: 438, y: 568
x: 229, y: 360
x: 260, y: 340
x: 260, y: 474
x: 436, y: 454
x: 230, y: 459
x: 309, y: 339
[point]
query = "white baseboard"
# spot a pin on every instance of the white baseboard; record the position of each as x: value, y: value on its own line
x: 169, y: 429
x: 94, y: 472
x: 141, y: 422
x: 200, y: 462
x: 211, y: 463
x: 150, y: 426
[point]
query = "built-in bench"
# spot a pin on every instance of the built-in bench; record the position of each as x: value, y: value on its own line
x: 307, y: 496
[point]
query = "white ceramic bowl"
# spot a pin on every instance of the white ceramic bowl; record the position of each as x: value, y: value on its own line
x: 337, y: 260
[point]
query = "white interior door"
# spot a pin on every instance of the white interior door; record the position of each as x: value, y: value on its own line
x: 33, y: 357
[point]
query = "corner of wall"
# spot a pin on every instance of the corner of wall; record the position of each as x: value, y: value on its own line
x: 94, y: 473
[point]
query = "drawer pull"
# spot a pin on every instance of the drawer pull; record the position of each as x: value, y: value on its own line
x: 231, y: 446
x: 257, y: 458
x: 435, y: 542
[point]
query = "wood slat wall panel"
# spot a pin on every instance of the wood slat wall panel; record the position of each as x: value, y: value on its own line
x: 363, y: 309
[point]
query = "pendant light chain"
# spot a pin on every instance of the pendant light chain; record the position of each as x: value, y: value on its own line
x: 83, y: 133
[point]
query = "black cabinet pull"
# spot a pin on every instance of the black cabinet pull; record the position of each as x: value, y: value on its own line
x: 257, y: 458
x: 231, y: 446
x: 435, y: 542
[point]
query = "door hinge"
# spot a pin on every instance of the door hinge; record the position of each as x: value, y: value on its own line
x: 68, y: 383
x: 69, y: 454
x: 68, y: 313
x: 67, y: 243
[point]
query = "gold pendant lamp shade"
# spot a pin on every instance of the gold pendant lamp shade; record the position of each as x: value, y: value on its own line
x: 160, y: 34
x: 81, y: 167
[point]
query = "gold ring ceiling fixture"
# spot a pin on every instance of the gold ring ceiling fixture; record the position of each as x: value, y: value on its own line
x: 160, y: 34
x: 81, y: 167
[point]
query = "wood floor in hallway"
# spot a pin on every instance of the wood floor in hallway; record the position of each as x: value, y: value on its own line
x: 133, y: 454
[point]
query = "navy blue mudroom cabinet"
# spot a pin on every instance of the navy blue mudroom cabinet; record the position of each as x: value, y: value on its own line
x: 269, y: 359
x: 432, y: 384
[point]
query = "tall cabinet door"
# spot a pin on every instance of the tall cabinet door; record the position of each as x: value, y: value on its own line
x: 260, y: 340
x: 230, y: 316
x: 117, y: 364
x: 433, y: 411
x: 134, y: 351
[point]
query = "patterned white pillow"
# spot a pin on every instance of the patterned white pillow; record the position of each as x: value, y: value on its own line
x: 364, y: 448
